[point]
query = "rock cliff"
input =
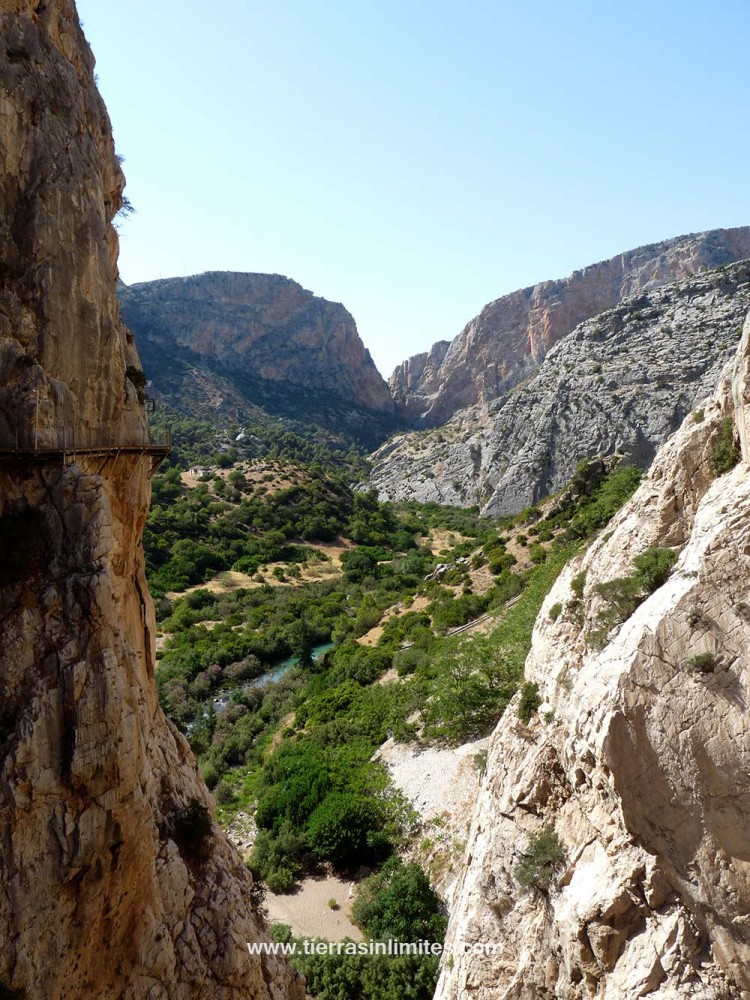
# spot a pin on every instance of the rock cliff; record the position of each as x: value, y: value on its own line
x: 511, y: 336
x: 275, y: 343
x: 638, y: 760
x: 621, y: 381
x: 115, y: 883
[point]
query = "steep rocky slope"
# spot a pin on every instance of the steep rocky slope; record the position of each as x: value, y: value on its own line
x: 638, y: 760
x: 511, y: 336
x: 224, y: 339
x: 622, y: 381
x: 114, y: 882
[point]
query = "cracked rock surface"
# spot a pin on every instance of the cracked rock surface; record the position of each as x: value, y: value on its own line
x: 639, y: 760
x: 109, y: 887
x: 622, y: 381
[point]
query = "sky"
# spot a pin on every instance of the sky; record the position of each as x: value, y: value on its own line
x: 417, y: 160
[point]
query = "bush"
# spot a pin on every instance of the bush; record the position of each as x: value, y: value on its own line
x: 338, y: 828
x: 529, y: 703
x: 624, y: 594
x: 726, y: 454
x: 578, y: 583
x: 399, y: 903
x: 652, y: 568
x: 276, y: 858
x: 190, y: 828
x: 555, y: 611
x: 543, y: 859
x: 704, y: 663
x: 224, y: 793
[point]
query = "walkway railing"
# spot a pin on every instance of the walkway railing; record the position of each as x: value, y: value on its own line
x: 18, y: 452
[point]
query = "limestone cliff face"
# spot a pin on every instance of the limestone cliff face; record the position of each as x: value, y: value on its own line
x: 622, y: 381
x: 641, y: 763
x: 511, y: 336
x: 265, y: 333
x: 109, y: 887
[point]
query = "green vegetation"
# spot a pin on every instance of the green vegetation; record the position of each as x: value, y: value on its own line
x: 530, y: 701
x: 542, y: 860
x: 555, y: 611
x: 474, y: 679
x: 297, y: 745
x: 197, y: 441
x: 624, y: 594
x: 703, y: 663
x: 398, y: 902
x: 726, y: 454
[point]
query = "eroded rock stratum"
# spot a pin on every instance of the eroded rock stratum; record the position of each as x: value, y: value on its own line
x: 110, y: 887
x: 639, y: 759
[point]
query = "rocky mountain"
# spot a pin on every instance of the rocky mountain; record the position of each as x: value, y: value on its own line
x: 221, y: 342
x: 116, y: 882
x: 511, y: 336
x: 622, y: 381
x: 636, y: 766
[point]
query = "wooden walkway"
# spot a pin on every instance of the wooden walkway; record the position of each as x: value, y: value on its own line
x: 103, y: 453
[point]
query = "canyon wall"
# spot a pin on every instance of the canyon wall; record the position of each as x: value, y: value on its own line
x: 511, y: 336
x: 221, y: 338
x: 115, y: 883
x: 622, y: 381
x: 638, y: 759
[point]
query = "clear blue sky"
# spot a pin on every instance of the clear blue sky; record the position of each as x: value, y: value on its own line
x: 415, y: 160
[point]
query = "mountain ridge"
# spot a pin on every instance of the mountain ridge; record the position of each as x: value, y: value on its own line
x: 511, y: 335
x: 225, y: 339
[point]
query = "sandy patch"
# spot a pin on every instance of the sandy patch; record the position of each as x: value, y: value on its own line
x: 229, y: 580
x: 307, y: 911
x: 162, y: 640
x: 482, y: 580
x: 442, y: 785
x: 286, y: 723
x: 371, y: 638
x: 390, y: 677
x: 440, y: 539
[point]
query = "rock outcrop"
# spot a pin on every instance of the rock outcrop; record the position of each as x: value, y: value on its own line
x: 639, y: 760
x: 511, y: 336
x: 622, y: 381
x: 115, y: 883
x: 275, y: 343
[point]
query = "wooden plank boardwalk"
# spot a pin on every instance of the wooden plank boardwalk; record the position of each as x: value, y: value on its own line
x: 105, y: 453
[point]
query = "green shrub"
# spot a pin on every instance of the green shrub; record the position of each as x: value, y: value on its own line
x: 543, y: 859
x: 223, y: 793
x: 704, y: 663
x: 578, y: 583
x: 726, y: 454
x: 555, y: 611
x: 537, y: 553
x: 276, y: 858
x: 530, y: 701
x: 338, y: 829
x: 190, y: 828
x: 699, y: 416
x: 210, y: 775
x: 652, y: 568
x: 624, y: 594
x: 398, y: 902
x: 281, y: 880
